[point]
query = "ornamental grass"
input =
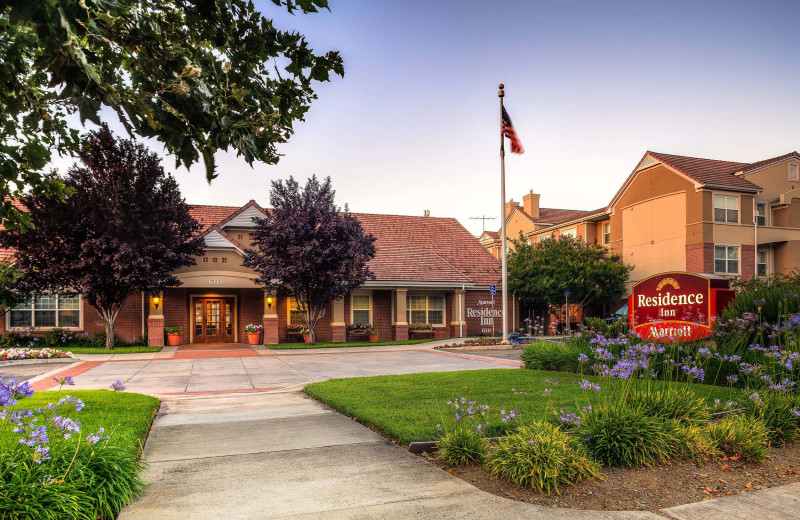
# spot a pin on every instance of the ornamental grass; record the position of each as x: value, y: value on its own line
x: 541, y: 456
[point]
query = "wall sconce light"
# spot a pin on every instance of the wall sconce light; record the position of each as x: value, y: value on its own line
x: 270, y: 300
x: 156, y: 301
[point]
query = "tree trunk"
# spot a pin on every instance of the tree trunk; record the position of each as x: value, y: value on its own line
x: 109, y: 319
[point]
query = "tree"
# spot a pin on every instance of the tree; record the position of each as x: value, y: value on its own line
x: 308, y: 246
x: 539, y: 273
x: 10, y: 276
x: 122, y: 227
x: 198, y: 75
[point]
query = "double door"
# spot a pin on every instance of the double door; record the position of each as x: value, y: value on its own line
x: 213, y: 320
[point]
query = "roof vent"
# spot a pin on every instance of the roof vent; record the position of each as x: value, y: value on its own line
x: 426, y: 213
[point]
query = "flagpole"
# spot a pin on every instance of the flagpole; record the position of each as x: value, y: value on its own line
x: 504, y: 261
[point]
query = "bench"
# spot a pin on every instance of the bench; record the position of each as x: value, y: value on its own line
x: 420, y: 331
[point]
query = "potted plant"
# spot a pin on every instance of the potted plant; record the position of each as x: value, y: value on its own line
x: 255, y: 334
x: 373, y: 335
x: 306, y: 334
x: 173, y: 336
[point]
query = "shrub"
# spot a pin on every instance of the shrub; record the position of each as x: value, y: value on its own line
x: 462, y: 445
x: 693, y: 442
x: 619, y: 435
x: 610, y: 330
x: 741, y: 435
x: 542, y: 457
x: 544, y: 355
x: 779, y: 413
x: 674, y: 402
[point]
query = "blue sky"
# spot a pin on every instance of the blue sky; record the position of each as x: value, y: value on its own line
x: 590, y: 87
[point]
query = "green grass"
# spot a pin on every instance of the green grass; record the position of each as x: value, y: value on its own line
x: 125, y: 416
x: 288, y: 346
x: 407, y: 408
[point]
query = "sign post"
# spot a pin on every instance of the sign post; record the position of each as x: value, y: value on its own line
x: 492, y: 291
x: 566, y: 312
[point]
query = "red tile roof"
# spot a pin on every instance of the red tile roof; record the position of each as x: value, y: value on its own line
x: 708, y: 171
x: 558, y: 216
x: 207, y: 216
x: 765, y: 162
x: 446, y: 241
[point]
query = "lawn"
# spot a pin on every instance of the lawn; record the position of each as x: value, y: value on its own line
x: 102, y: 350
x: 407, y: 408
x: 287, y: 346
x: 125, y: 416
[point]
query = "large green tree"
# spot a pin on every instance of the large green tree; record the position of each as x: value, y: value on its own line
x: 539, y: 273
x: 197, y: 75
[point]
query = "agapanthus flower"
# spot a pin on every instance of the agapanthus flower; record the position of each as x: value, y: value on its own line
x: 41, y: 454
x: 119, y: 387
x: 65, y: 380
x: 94, y: 438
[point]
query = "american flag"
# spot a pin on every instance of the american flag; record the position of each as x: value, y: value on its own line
x: 508, y: 131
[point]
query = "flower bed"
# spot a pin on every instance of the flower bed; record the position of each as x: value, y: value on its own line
x: 480, y: 342
x: 72, y: 456
x: 9, y: 354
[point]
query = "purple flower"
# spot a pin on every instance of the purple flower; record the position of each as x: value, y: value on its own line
x: 583, y: 358
x: 119, y: 387
x: 66, y: 380
x: 547, y: 392
x: 587, y: 385
x: 94, y: 438
x: 732, y: 378
x: 41, y: 454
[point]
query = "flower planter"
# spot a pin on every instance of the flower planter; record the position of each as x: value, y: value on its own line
x: 173, y: 339
x: 373, y: 338
x: 254, y: 338
x: 307, y: 338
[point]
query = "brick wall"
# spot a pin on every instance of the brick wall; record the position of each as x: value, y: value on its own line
x: 176, y: 310
x: 700, y: 258
x: 251, y: 309
x: 748, y: 267
x: 382, y: 313
x: 473, y: 325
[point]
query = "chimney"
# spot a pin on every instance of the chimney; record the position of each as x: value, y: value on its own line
x: 530, y: 204
x: 511, y: 205
x: 426, y: 213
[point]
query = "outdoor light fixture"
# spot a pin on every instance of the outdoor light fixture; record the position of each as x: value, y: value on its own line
x: 270, y: 300
x: 156, y: 301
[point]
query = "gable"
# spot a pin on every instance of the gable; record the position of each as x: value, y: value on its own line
x: 215, y: 239
x: 244, y: 219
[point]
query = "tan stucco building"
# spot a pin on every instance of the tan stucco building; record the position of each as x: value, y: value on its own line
x: 677, y: 213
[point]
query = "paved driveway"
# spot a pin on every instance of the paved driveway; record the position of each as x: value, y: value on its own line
x: 263, y: 370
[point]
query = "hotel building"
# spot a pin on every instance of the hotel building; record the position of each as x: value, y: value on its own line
x: 677, y: 213
x: 427, y: 271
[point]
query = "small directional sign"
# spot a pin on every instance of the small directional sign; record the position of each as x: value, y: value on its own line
x: 566, y: 293
x: 492, y: 290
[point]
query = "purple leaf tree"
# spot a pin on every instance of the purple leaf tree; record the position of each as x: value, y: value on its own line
x: 307, y: 245
x: 123, y: 227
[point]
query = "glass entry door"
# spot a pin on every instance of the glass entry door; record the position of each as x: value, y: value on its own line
x: 213, y: 320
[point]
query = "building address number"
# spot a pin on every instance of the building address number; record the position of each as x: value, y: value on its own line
x: 215, y: 281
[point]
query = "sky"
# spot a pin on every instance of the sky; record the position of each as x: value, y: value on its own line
x: 590, y: 87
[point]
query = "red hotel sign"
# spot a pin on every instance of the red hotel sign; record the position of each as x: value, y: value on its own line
x: 677, y: 306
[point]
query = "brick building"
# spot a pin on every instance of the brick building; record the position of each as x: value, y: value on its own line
x: 676, y: 213
x: 427, y: 270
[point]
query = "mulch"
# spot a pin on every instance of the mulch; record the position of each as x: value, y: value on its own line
x: 649, y: 489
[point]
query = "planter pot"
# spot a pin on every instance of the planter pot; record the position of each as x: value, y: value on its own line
x: 173, y: 339
x: 373, y: 338
x: 307, y: 338
x: 254, y: 338
x: 439, y: 333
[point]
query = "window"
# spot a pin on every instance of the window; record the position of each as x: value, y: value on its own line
x: 761, y: 263
x: 360, y: 305
x: 295, y: 314
x: 606, y: 233
x: 761, y: 214
x: 425, y: 309
x: 542, y: 238
x: 793, y: 172
x: 47, y: 311
x: 571, y: 232
x: 726, y: 209
x: 726, y: 259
